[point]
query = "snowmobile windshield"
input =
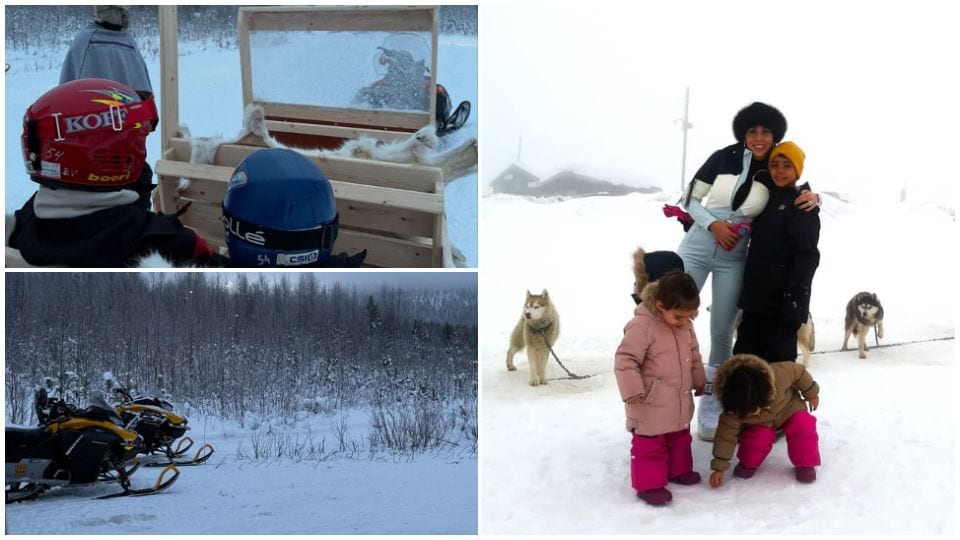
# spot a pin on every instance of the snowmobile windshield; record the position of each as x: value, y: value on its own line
x: 99, y: 404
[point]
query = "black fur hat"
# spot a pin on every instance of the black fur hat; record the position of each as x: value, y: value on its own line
x: 759, y: 114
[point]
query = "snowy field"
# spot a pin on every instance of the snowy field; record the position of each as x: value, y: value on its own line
x: 211, y: 103
x: 555, y: 459
x: 432, y: 493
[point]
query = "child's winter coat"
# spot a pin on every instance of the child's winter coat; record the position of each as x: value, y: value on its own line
x: 661, y: 364
x: 792, y: 385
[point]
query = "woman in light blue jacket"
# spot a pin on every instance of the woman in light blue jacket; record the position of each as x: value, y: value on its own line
x: 724, y: 196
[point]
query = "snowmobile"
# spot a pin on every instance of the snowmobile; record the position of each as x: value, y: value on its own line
x: 406, y: 86
x: 74, y: 447
x: 154, y: 420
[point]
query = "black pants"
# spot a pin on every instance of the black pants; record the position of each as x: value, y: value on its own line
x: 759, y: 334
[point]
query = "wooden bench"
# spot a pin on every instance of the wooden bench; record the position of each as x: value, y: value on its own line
x: 394, y: 211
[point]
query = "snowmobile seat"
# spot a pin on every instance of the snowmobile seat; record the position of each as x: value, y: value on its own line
x: 25, y: 436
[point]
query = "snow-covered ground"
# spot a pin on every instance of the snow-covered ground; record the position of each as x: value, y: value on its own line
x: 555, y: 458
x: 348, y: 493
x: 211, y: 103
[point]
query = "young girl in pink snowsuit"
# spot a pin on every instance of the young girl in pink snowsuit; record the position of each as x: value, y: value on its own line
x: 658, y: 367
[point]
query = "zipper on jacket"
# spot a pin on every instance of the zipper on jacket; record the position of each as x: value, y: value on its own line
x: 680, y: 361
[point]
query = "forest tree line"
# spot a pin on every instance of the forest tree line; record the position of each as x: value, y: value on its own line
x: 53, y: 27
x: 232, y: 344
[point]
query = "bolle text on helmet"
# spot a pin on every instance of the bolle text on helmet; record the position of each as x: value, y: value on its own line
x: 112, y: 118
x: 235, y: 227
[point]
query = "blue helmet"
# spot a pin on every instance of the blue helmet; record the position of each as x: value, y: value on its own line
x: 279, y: 210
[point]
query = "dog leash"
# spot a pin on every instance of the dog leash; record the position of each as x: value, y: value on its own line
x: 571, y: 374
x: 950, y: 338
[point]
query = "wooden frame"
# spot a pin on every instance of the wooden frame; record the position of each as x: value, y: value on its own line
x: 329, y: 121
x: 394, y: 211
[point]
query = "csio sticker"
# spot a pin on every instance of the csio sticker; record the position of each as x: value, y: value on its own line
x: 298, y: 259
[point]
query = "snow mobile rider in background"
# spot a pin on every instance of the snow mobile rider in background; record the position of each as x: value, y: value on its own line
x: 84, y: 142
x: 106, y: 50
x: 781, y: 262
x: 724, y: 195
x: 655, y: 388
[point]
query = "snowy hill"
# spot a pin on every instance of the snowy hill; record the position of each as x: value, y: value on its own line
x: 555, y: 458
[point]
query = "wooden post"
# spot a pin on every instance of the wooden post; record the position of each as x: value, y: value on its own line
x: 243, y: 43
x: 433, y: 65
x: 169, y: 77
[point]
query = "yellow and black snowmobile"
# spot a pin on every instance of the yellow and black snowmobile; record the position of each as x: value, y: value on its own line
x: 154, y: 420
x: 73, y: 447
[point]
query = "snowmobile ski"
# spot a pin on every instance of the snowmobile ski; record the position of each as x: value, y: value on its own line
x: 202, y: 455
x: 161, y: 485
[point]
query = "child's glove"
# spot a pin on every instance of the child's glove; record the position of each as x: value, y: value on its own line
x: 682, y: 216
x: 813, y: 402
x: 741, y: 229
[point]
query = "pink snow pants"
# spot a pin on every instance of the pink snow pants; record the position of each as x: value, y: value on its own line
x: 802, y: 442
x: 653, y: 460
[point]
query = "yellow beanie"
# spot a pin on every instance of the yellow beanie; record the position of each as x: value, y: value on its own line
x: 792, y: 152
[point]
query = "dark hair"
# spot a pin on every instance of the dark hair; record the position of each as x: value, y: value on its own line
x: 677, y: 290
x: 746, y: 390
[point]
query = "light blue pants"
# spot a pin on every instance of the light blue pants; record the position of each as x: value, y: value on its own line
x: 701, y: 257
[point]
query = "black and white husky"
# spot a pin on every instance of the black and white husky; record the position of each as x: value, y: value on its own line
x: 863, y: 311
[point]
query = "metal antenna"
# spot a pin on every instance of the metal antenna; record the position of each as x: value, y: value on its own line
x: 684, y: 126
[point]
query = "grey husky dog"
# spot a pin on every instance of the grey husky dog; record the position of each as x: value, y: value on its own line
x: 537, y: 331
x: 863, y: 311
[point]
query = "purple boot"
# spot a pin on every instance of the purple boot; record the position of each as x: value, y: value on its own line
x: 742, y: 471
x: 807, y: 475
x: 688, y: 478
x: 656, y: 497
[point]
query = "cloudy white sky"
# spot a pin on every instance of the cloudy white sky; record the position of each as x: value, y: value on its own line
x: 867, y: 88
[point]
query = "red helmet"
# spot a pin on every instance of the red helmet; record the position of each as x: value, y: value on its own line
x: 88, y: 134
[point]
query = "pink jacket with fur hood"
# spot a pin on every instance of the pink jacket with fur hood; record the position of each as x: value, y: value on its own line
x: 661, y: 365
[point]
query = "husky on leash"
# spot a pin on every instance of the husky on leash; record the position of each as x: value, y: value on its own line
x: 537, y: 331
x: 863, y: 311
x: 806, y: 339
x: 806, y: 336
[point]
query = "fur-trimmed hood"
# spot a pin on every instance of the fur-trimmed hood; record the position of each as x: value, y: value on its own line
x: 791, y: 386
x: 744, y: 361
x: 648, y: 295
x: 640, y: 276
x: 649, y: 267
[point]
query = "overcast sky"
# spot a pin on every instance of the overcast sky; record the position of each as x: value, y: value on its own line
x: 868, y: 88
